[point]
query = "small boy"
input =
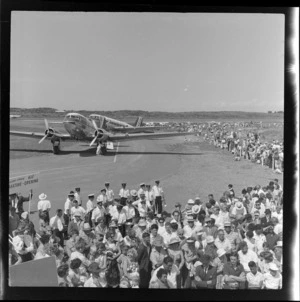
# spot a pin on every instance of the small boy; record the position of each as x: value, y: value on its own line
x: 254, y: 277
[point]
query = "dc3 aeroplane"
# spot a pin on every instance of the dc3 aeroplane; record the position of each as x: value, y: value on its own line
x: 82, y: 128
x: 116, y: 126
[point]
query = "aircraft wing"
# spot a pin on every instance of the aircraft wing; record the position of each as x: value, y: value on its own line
x: 136, y: 136
x: 39, y: 134
x: 149, y: 129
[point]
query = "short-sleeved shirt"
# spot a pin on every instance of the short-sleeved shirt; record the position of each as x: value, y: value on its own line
x: 80, y: 209
x: 225, y: 244
x: 44, y: 205
x: 255, y: 281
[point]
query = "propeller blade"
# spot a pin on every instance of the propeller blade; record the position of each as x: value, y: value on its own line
x: 43, y: 139
x: 95, y: 125
x: 46, y: 123
x: 93, y: 141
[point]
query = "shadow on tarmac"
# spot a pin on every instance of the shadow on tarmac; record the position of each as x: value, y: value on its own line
x: 92, y: 152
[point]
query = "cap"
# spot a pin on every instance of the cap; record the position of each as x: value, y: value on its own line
x: 190, y: 240
x: 207, y: 219
x: 227, y: 224
x: 71, y: 195
x: 157, y: 181
x: 177, y: 204
x: 77, y: 189
x: 124, y: 183
x: 190, y: 218
x: 91, y: 195
x: 103, y: 190
x: 197, y: 198
x: 107, y: 183
x: 142, y: 184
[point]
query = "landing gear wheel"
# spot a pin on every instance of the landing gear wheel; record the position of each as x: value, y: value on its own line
x: 56, y: 149
x: 103, y: 150
x: 55, y: 146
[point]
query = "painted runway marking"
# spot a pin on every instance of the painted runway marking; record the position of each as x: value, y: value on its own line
x: 60, y: 168
x: 115, y: 159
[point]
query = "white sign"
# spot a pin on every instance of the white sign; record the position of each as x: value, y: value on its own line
x: 110, y: 145
x: 23, y: 183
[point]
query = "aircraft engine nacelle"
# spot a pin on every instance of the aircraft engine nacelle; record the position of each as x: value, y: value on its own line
x: 49, y: 132
x: 101, y: 135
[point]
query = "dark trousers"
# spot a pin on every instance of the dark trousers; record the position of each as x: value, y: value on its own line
x: 145, y: 276
x: 60, y: 235
x: 123, y: 201
x: 122, y: 230
x: 158, y: 205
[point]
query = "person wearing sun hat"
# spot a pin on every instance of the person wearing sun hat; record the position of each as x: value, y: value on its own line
x: 158, y: 253
x: 141, y: 189
x: 44, y: 206
x: 273, y: 278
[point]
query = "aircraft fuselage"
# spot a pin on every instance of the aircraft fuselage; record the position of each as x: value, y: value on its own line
x: 78, y: 126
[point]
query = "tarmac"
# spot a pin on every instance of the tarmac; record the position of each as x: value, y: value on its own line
x: 185, y: 169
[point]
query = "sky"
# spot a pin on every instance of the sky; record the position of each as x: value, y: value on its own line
x: 147, y: 61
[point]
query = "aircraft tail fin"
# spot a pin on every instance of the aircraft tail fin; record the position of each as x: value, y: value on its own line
x: 102, y: 122
x: 138, y: 122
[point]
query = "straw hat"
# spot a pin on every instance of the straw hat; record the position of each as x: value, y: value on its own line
x: 133, y: 193
x: 42, y: 196
x: 174, y: 240
x: 273, y: 267
x: 142, y: 223
x: 195, y: 209
x: 191, y: 201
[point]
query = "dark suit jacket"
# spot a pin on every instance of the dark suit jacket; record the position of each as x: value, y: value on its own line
x: 211, y: 275
x: 143, y: 258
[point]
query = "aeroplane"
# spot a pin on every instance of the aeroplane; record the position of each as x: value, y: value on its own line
x: 14, y: 116
x: 116, y: 126
x: 82, y: 128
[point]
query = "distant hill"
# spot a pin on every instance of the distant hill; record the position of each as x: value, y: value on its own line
x: 148, y: 115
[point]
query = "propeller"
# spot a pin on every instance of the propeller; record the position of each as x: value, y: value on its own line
x: 48, y: 132
x: 98, y: 133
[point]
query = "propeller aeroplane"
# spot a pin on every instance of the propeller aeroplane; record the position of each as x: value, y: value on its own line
x: 82, y: 128
x: 117, y: 126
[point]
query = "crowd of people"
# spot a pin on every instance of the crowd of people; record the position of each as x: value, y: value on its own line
x: 129, y: 240
x: 251, y: 147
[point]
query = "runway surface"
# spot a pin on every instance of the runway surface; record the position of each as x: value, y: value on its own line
x: 186, y: 170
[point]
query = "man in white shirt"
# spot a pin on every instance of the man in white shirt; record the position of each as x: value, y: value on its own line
x: 109, y: 192
x: 158, y: 195
x: 76, y: 208
x: 167, y: 235
x: 90, y: 203
x: 97, y: 213
x: 246, y: 255
x: 142, y: 205
x: 129, y: 210
x: 259, y: 206
x: 112, y: 210
x: 260, y: 238
x: 273, y: 279
x: 141, y: 189
x: 171, y: 268
x: 57, y: 224
x: 44, y: 206
x: 223, y: 243
x: 124, y: 194
x: 254, y: 277
x: 217, y: 217
x: 68, y: 206
x: 77, y: 196
x: 149, y: 195
x: 102, y: 196
x: 190, y: 229
x: 277, y: 226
